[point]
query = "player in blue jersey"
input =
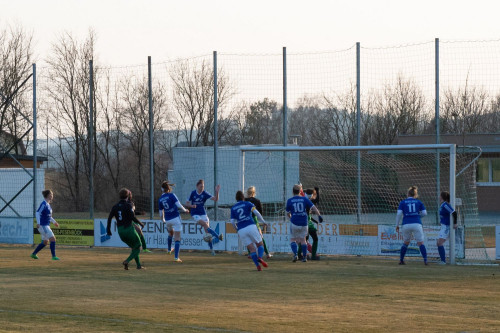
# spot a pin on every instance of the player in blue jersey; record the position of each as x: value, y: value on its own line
x: 43, y: 219
x: 196, y: 203
x: 445, y: 211
x: 411, y: 210
x: 242, y: 220
x: 169, y: 206
x: 297, y: 208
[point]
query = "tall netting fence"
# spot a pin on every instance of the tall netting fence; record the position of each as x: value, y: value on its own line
x: 397, y: 94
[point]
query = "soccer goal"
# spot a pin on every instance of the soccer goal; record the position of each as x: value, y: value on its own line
x: 360, y: 188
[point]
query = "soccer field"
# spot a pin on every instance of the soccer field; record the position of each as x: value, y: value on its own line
x: 88, y: 291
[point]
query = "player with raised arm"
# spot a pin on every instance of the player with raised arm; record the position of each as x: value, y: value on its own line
x: 196, y: 203
x: 297, y: 207
x: 258, y: 205
x: 242, y: 220
x: 43, y: 219
x: 125, y: 216
x: 169, y: 206
x: 444, y: 214
x: 411, y: 210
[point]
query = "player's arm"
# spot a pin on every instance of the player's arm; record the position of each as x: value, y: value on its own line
x: 38, y: 217
x: 399, y: 217
x: 54, y: 222
x: 216, y: 196
x: 181, y: 207
x: 423, y: 213
x: 136, y: 220
x: 233, y: 222
x: 110, y: 217
x: 454, y: 216
x: 315, y: 210
x: 259, y: 216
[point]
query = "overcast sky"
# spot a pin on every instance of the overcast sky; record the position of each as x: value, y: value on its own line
x: 129, y: 31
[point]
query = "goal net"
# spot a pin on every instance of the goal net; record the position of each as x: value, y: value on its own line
x: 359, y: 192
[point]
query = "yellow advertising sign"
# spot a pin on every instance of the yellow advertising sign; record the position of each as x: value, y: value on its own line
x: 70, y: 232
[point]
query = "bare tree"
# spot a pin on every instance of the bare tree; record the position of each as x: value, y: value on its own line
x: 193, y: 98
x: 67, y: 89
x: 399, y: 109
x: 16, y: 57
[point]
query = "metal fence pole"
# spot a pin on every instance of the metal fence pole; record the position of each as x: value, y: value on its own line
x: 453, y: 161
x: 34, y: 143
x: 216, y: 141
x: 151, y: 139
x: 358, y: 126
x: 91, y: 139
x: 438, y: 139
x: 285, y: 123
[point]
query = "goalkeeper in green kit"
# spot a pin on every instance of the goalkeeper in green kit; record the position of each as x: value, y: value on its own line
x: 124, y: 216
x: 313, y: 195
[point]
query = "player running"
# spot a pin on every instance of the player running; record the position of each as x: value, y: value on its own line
x: 169, y: 207
x: 444, y: 213
x: 196, y: 202
x: 411, y: 210
x: 138, y: 228
x: 124, y: 216
x: 297, y: 207
x: 242, y: 220
x: 43, y: 219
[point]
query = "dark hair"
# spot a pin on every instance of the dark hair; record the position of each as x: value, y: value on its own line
x: 309, y: 191
x: 413, y: 191
x: 201, y: 181
x: 124, y: 193
x: 46, y: 193
x: 296, y: 188
x: 240, y: 196
x: 445, y: 195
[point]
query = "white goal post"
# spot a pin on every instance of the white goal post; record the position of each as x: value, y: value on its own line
x: 252, y: 170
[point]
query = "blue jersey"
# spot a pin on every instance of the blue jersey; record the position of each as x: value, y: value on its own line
x: 199, y: 199
x: 298, y: 207
x: 44, y: 213
x: 242, y: 213
x: 168, y: 203
x: 444, y: 213
x: 411, y: 208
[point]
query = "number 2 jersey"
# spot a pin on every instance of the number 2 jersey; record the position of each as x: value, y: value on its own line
x: 411, y: 209
x: 298, y: 207
x: 241, y: 212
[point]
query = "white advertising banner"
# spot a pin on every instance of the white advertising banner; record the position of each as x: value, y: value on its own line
x: 156, y: 235
x: 391, y: 242
x: 332, y: 238
x: 15, y: 230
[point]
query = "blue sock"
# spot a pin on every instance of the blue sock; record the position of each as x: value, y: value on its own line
x: 53, y: 248
x: 210, y: 245
x: 294, y: 248
x: 177, y: 248
x: 212, y: 232
x: 442, y: 253
x: 169, y: 242
x: 254, y: 258
x: 260, y: 250
x: 304, y: 250
x: 403, y: 252
x: 39, y: 247
x: 423, y: 251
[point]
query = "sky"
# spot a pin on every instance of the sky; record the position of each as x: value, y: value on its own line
x: 129, y: 31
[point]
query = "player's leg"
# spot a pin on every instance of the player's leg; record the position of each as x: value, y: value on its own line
x: 253, y: 255
x: 43, y: 243
x: 294, y: 239
x: 443, y: 236
x: 418, y: 233
x: 169, y: 240
x: 141, y: 237
x: 407, y: 233
x: 176, y: 227
x: 53, y: 247
x: 130, y: 237
x: 313, y: 232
